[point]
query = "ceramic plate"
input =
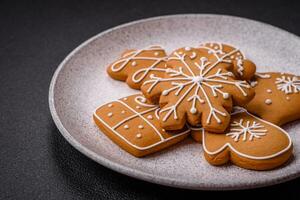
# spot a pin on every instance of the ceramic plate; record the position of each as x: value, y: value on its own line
x: 80, y: 85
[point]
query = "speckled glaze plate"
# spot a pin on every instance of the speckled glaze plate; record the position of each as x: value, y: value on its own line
x: 80, y: 85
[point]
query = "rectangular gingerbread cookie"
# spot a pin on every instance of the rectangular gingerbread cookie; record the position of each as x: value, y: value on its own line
x: 132, y: 123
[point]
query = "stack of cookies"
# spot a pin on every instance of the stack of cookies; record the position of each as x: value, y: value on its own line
x: 211, y: 92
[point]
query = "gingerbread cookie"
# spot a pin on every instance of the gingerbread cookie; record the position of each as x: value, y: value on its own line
x: 133, y: 124
x: 135, y: 66
x: 249, y: 142
x: 277, y: 98
x: 198, y: 87
x: 243, y: 68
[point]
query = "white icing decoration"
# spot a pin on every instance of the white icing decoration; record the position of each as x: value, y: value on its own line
x: 109, y: 114
x: 125, y: 99
x: 149, y: 117
x: 193, y: 55
x: 268, y: 101
x: 140, y: 74
x: 181, y: 80
x: 240, y: 66
x: 263, y: 75
x: 140, y: 115
x: 126, y: 126
x: 139, y: 135
x: 110, y: 105
x: 228, y: 145
x: 226, y: 96
x: 140, y: 126
x: 193, y: 110
x: 138, y: 107
x: 269, y: 91
x: 142, y: 101
x: 254, y: 130
x: 288, y: 84
x: 253, y: 83
x: 123, y: 111
x: 187, y: 48
x: 218, y: 50
x: 133, y: 63
x: 288, y: 98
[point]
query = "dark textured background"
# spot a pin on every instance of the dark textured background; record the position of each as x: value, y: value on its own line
x: 35, y: 161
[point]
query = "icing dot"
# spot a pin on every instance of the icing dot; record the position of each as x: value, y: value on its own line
x: 156, y: 53
x: 268, y: 101
x: 133, y: 63
x: 138, y: 107
x: 149, y: 117
x: 109, y: 114
x: 163, y: 130
x: 110, y: 105
x: 123, y: 111
x: 216, y: 47
x: 125, y: 99
x: 269, y: 91
x: 165, y: 92
x: 225, y: 95
x: 232, y: 57
x: 140, y: 126
x: 187, y: 48
x: 238, y: 53
x: 288, y: 98
x: 139, y: 135
x: 211, y: 44
x: 193, y: 110
x: 237, y: 58
x: 180, y: 52
x: 126, y: 126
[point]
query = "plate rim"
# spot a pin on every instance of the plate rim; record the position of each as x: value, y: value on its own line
x: 137, y: 173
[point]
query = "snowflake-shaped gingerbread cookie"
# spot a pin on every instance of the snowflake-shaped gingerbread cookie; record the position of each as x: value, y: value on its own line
x: 135, y: 66
x: 198, y: 87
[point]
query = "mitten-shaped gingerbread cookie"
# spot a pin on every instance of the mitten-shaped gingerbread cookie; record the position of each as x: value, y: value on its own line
x: 133, y: 124
x: 249, y: 142
x: 243, y: 68
x: 135, y: 66
x: 196, y: 88
x: 277, y: 98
